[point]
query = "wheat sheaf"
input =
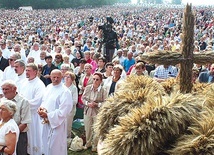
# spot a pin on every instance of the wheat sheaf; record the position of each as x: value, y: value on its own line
x: 201, y: 139
x: 146, y: 129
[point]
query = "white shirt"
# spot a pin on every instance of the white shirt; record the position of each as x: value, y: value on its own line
x: 35, y: 55
x: 20, y: 81
x: 6, y: 53
x: 58, y: 102
x: 9, y: 73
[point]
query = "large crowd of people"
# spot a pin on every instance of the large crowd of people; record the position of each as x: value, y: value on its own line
x: 52, y: 61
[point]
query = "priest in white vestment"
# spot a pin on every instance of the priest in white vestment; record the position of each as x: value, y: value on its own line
x: 9, y: 72
x: 56, y: 105
x: 35, y: 53
x: 19, y: 68
x: 34, y: 90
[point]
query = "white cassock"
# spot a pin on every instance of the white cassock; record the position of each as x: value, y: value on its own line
x: 9, y: 73
x: 34, y: 90
x: 35, y: 55
x: 6, y: 53
x: 20, y: 80
x: 58, y: 102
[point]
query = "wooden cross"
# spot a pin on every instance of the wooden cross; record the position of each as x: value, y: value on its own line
x: 186, y: 57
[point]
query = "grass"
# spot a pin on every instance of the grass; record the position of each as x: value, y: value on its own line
x: 78, y: 129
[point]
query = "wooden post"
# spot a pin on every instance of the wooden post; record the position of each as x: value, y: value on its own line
x: 187, y: 51
x: 186, y: 57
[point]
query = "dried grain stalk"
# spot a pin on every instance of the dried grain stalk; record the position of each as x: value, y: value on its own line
x: 146, y: 129
x: 201, y: 139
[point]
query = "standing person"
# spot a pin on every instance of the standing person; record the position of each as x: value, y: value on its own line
x: 101, y: 65
x: 17, y: 49
x: 9, y: 72
x: 69, y: 83
x: 85, y: 79
x: 139, y: 69
x: 90, y: 61
x: 207, y: 76
x: 129, y: 61
x: 64, y: 69
x: 110, y: 41
x: 34, y: 96
x: 5, y: 51
x: 22, y: 116
x: 76, y: 61
x: 112, y: 83
x: 56, y: 105
x: 46, y: 70
x: 35, y: 53
x: 120, y: 56
x: 93, y: 97
x: 3, y: 62
x: 58, y: 61
x: 164, y: 72
x: 19, y: 66
x: 108, y: 70
x: 9, y: 131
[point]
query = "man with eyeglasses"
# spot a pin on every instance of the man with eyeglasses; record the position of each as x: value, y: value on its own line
x: 9, y: 72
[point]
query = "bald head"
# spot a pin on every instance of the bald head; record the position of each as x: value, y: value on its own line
x: 56, y: 77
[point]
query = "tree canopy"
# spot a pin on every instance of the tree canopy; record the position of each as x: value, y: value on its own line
x: 53, y: 4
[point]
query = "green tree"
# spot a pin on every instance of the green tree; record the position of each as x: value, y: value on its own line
x: 10, y: 4
x: 53, y: 4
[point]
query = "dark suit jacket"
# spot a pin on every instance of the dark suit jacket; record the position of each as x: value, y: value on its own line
x: 3, y: 63
x: 44, y: 68
x: 204, y: 77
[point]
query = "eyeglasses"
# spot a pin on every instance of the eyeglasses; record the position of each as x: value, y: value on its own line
x: 96, y: 79
x: 57, y: 58
x: 11, y: 59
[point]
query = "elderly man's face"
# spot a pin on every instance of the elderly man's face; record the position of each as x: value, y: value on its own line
x: 8, y: 91
x: 17, y: 49
x: 56, y: 78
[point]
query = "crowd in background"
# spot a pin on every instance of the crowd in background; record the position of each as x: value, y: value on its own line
x: 69, y: 40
